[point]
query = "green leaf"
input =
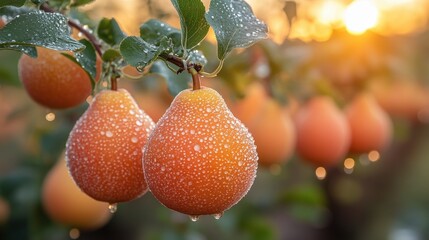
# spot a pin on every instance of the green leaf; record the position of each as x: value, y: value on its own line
x: 154, y: 30
x: 139, y: 53
x: 16, y: 3
x: 235, y: 25
x: 110, y: 32
x: 192, y: 21
x: 78, y: 3
x: 87, y: 58
x: 175, y: 82
x: 37, y: 29
x: 111, y: 55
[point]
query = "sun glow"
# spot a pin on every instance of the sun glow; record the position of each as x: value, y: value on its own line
x: 360, y: 16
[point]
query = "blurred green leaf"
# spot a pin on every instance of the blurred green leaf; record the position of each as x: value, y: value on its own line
x: 59, y: 4
x: 77, y: 3
x: 9, y: 68
x: 176, y: 82
x: 310, y: 195
x: 36, y: 29
x: 10, y: 12
x: 16, y: 3
x: 235, y: 25
x: 192, y: 21
x: 110, y: 32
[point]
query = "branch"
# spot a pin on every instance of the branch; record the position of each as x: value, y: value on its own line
x: 180, y: 63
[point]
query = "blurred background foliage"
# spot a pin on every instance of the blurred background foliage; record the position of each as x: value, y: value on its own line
x: 314, y: 51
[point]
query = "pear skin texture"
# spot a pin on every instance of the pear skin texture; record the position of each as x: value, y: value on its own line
x: 323, y: 134
x: 104, y: 149
x: 200, y: 159
x: 66, y: 204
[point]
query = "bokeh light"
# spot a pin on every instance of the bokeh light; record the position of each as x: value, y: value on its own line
x: 320, y: 173
x: 360, y: 16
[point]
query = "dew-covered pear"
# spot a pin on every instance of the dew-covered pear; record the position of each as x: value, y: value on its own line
x: 53, y: 80
x: 104, y: 149
x: 199, y: 159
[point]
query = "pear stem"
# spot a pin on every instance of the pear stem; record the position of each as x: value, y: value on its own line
x: 114, y: 83
x: 196, y: 82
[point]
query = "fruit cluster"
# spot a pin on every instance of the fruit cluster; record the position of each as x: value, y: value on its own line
x: 198, y: 159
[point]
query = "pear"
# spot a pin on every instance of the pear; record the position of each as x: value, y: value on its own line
x: 371, y: 127
x: 65, y: 203
x: 323, y: 134
x: 104, y: 149
x: 199, y: 159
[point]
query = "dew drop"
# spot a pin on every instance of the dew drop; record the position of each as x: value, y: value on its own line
x: 113, y: 207
x: 139, y: 123
x: 209, y: 110
x: 134, y: 140
x: 192, y: 131
x: 217, y: 216
x: 163, y: 168
x: 240, y: 163
x: 197, y: 148
x: 109, y: 134
x: 194, y: 218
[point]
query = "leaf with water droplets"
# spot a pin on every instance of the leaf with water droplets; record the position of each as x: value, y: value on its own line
x: 86, y: 59
x: 110, y: 32
x: 139, y: 53
x: 175, y: 82
x: 196, y: 56
x: 16, y: 3
x: 192, y: 21
x: 154, y: 30
x: 235, y: 25
x: 49, y: 30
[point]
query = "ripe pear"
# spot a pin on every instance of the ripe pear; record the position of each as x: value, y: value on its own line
x: 53, y: 80
x: 270, y: 125
x: 200, y: 159
x: 65, y: 203
x: 104, y: 149
x: 274, y: 134
x: 323, y: 134
x: 370, y: 125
